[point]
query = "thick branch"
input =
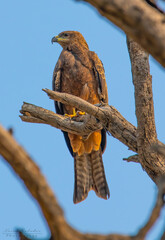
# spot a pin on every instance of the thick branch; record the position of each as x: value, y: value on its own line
x: 29, y: 172
x: 80, y: 126
x: 139, y: 20
x: 109, y: 118
x: 153, y: 163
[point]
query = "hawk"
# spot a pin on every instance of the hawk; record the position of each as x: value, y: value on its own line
x: 80, y: 72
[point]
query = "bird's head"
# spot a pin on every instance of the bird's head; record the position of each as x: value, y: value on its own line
x: 69, y: 39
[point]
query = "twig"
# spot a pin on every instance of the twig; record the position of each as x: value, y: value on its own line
x: 138, y: 20
x: 156, y: 210
x: 134, y: 158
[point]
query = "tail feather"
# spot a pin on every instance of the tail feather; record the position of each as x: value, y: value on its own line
x: 89, y: 174
x: 99, y: 180
x: 83, y: 178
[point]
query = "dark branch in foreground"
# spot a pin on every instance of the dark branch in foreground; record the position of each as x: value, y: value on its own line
x: 156, y: 210
x: 33, y: 179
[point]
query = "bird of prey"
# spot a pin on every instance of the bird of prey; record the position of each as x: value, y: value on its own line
x: 80, y: 72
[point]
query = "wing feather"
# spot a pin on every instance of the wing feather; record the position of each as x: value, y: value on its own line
x: 99, y: 73
x: 56, y: 85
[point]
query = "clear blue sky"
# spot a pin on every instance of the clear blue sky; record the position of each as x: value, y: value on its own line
x: 26, y: 66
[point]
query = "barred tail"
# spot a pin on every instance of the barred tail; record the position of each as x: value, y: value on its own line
x: 89, y: 174
x: 83, y: 178
x: 100, y: 185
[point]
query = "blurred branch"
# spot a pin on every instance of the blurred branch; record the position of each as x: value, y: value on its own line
x: 153, y: 4
x: 156, y: 210
x: 163, y: 236
x: 35, y: 182
x: 140, y: 21
x: 29, y: 172
x: 22, y: 236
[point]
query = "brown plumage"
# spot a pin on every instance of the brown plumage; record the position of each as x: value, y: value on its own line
x: 80, y: 72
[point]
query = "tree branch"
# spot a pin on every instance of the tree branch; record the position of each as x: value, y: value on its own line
x: 133, y: 158
x: 29, y: 172
x: 35, y: 182
x: 153, y: 163
x: 80, y: 125
x: 109, y: 118
x: 139, y: 20
x: 156, y: 210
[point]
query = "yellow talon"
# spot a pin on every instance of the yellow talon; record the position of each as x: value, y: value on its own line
x: 72, y: 115
x: 81, y: 113
x: 75, y: 114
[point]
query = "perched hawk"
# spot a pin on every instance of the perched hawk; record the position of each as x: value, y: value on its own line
x: 80, y: 72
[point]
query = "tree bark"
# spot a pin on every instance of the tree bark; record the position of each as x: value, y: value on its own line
x: 140, y: 21
x: 151, y: 161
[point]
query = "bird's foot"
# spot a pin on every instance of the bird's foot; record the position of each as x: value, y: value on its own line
x: 74, y: 114
x: 80, y: 113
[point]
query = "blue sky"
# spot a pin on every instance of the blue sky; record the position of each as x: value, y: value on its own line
x: 26, y: 66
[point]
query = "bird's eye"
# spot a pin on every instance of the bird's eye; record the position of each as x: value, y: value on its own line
x: 65, y: 34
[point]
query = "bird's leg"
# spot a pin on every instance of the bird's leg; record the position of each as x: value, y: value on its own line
x: 74, y: 114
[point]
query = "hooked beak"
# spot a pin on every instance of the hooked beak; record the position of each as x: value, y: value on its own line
x: 55, y: 39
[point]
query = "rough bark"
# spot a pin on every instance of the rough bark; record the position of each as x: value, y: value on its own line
x: 113, y: 121
x: 109, y: 118
x: 151, y: 161
x: 138, y: 20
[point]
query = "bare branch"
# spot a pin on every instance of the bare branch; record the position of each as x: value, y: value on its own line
x: 139, y: 20
x: 146, y: 131
x: 163, y: 236
x: 154, y: 5
x: 22, y: 236
x: 29, y: 172
x: 133, y: 158
x: 23, y: 165
x: 82, y: 125
x: 109, y: 118
x: 156, y: 210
